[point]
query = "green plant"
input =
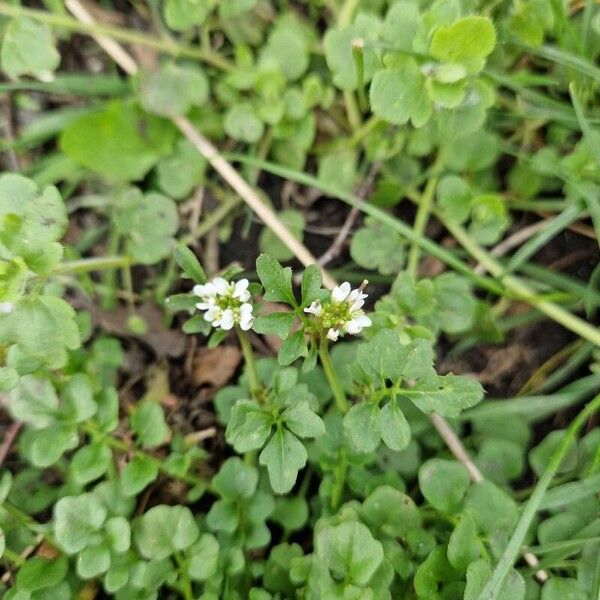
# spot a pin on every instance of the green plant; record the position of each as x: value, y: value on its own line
x: 334, y: 455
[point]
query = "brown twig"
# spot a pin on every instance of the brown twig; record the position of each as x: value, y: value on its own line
x: 8, y: 440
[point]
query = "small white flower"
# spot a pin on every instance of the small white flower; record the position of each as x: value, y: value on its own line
x: 333, y: 334
x: 343, y: 313
x: 315, y: 308
x: 340, y: 292
x: 246, y: 316
x: 225, y: 303
x: 357, y: 324
x: 6, y: 308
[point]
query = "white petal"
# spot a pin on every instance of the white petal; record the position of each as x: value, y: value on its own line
x: 246, y: 310
x: 340, y: 292
x: 213, y: 315
x: 221, y: 286
x: 357, y: 305
x: 357, y: 324
x: 6, y: 308
x: 227, y: 319
x: 333, y: 334
x: 315, y: 308
x: 246, y: 321
x: 240, y: 290
x: 204, y: 290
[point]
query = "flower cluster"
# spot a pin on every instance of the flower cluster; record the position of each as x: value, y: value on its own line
x: 343, y: 313
x: 226, y: 303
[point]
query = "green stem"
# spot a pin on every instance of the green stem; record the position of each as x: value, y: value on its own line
x: 118, y: 33
x: 249, y: 359
x: 347, y: 12
x: 352, y: 110
x: 13, y: 557
x: 211, y: 220
x: 121, y: 446
x: 186, y: 583
x: 513, y: 549
x: 423, y: 212
x: 24, y: 518
x: 339, y: 481
x: 359, y: 65
x: 85, y: 265
x: 518, y: 287
x: 332, y: 378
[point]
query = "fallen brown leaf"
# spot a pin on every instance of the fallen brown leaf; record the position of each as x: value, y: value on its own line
x: 215, y: 366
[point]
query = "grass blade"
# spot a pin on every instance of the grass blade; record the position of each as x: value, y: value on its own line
x: 513, y: 549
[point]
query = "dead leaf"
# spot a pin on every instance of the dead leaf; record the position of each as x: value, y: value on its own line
x: 215, y: 366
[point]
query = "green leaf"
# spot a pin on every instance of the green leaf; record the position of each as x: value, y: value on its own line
x: 447, y: 395
x: 2, y: 542
x: 118, y: 534
x: 276, y: 280
x: 119, y: 141
x: 241, y: 123
x: 235, y: 480
x: 182, y: 15
x: 138, y: 473
x: 479, y: 573
x: 401, y: 25
x: 443, y: 483
x: 44, y: 447
x: 292, y: 348
x: 43, y: 328
x: 389, y: 510
x: 38, y: 573
x: 397, y: 95
x: 34, y: 401
x: 28, y: 49
x: 362, y: 426
x: 249, y: 426
x: 172, y: 90
x: 349, y: 551
x: 279, y: 324
x: 378, y: 247
x: 464, y: 546
x: 78, y: 399
x: 312, y: 280
x: 148, y: 423
x: 454, y: 198
x: 190, y: 265
x: 492, y: 509
x: 93, y: 561
x: 393, y: 426
x: 303, y: 421
x: 269, y: 243
x: 489, y: 218
x: 77, y: 520
x: 469, y: 41
x: 435, y: 570
x: 338, y: 169
x: 563, y: 588
x: 164, y: 530
x: 90, y: 463
x: 148, y: 222
x: 203, y: 558
x: 291, y: 513
x: 283, y: 456
x: 539, y: 457
x: 179, y: 173
x: 338, y: 51
x: 286, y: 48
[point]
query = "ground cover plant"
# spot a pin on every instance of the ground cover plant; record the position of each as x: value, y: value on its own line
x: 298, y: 300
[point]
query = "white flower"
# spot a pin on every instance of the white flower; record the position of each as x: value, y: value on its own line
x: 315, y: 308
x: 343, y: 314
x: 225, y: 303
x: 340, y: 292
x: 6, y: 308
